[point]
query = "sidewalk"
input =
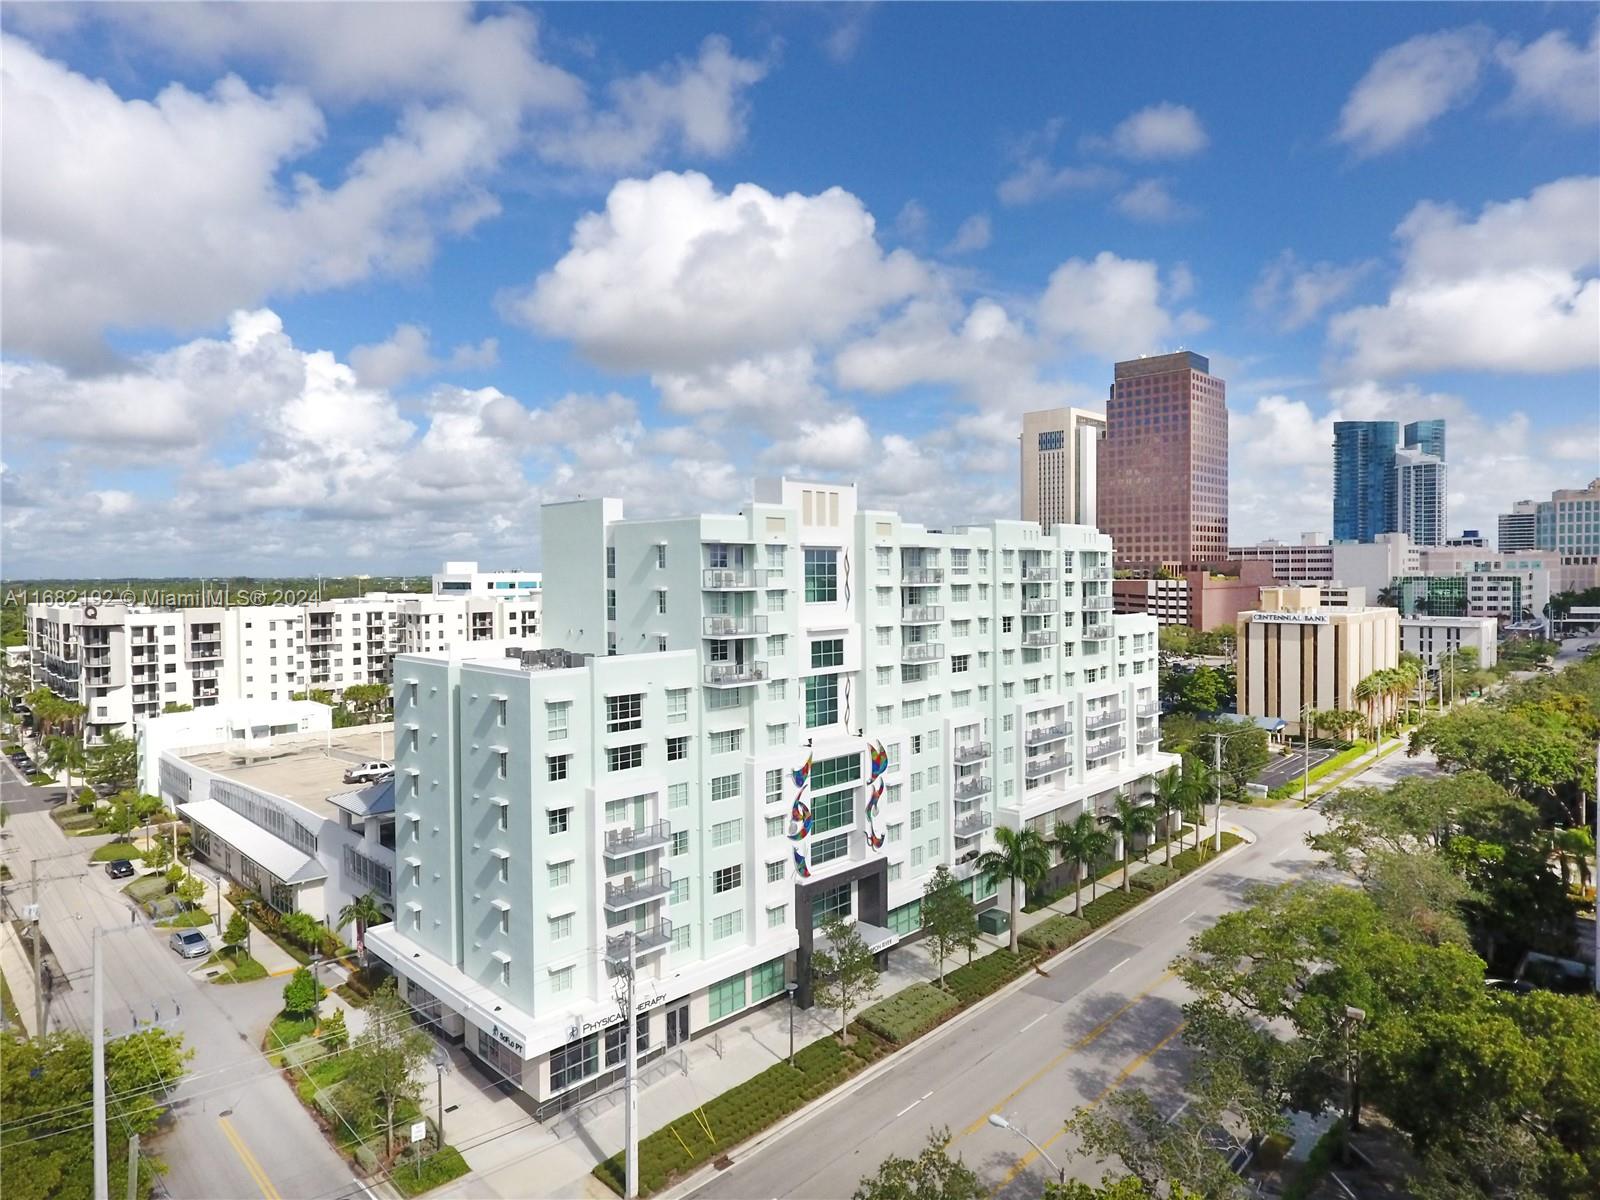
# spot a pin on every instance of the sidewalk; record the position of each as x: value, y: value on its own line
x: 18, y: 970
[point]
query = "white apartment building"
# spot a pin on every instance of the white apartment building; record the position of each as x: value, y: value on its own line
x: 1432, y: 638
x: 1422, y: 496
x: 1309, y: 561
x: 1060, y: 449
x: 464, y: 579
x: 753, y: 722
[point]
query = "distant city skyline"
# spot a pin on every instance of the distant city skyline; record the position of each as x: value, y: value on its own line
x: 321, y: 309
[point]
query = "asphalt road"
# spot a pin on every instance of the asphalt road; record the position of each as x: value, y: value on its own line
x: 239, y: 1132
x: 1108, y: 1016
x: 1282, y: 770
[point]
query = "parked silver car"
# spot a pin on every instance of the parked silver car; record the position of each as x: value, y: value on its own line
x: 189, y: 943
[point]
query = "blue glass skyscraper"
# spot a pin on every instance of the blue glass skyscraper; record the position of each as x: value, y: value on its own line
x: 1363, y: 478
x: 1427, y: 436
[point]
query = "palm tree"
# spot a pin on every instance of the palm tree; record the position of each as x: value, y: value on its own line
x: 1169, y: 800
x: 364, y: 911
x: 1082, y: 841
x: 1199, y: 789
x: 1124, y: 822
x: 64, y: 754
x: 1366, y: 693
x: 1021, y: 856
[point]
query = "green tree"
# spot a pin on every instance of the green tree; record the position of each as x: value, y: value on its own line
x: 64, y: 756
x: 931, y: 1175
x: 43, y: 1086
x: 114, y: 763
x: 1169, y: 804
x: 301, y: 993
x: 845, y: 974
x: 385, y: 1061
x: 335, y: 1034
x: 119, y: 819
x: 949, y: 922
x: 172, y: 706
x: 364, y: 911
x: 1244, y: 754
x: 1575, y: 847
x: 175, y: 876
x: 303, y: 929
x: 366, y: 698
x: 1021, y: 856
x: 159, y: 855
x: 237, y: 932
x: 1123, y: 822
x: 1084, y: 842
x: 192, y: 890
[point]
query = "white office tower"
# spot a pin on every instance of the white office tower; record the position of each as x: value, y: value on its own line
x: 808, y: 708
x: 1060, y: 455
x: 1421, y: 497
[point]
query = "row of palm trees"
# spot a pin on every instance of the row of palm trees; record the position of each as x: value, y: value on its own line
x: 1023, y: 856
x: 1380, y: 693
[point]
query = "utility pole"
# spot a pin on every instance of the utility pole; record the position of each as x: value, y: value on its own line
x: 1216, y: 784
x: 102, y: 1184
x: 1305, y: 761
x: 133, y: 1167
x: 38, y: 957
x: 631, y: 1109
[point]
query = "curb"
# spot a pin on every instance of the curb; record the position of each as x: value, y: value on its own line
x: 747, y: 1149
x: 1326, y: 785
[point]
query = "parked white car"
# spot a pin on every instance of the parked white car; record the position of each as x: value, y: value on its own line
x: 190, y: 943
x: 367, y: 772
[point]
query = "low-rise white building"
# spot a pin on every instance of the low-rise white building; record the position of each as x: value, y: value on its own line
x: 755, y: 721
x: 1431, y: 638
x: 250, y: 725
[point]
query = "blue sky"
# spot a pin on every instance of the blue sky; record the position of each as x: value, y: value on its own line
x: 299, y: 287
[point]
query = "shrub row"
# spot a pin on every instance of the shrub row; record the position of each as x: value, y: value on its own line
x: 1055, y: 934
x: 1191, y: 858
x: 1110, y: 905
x: 297, y: 934
x: 909, y: 1013
x: 440, y: 1167
x: 984, y: 975
x: 1153, y: 878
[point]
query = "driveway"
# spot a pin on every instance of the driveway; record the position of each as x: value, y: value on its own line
x: 1291, y: 765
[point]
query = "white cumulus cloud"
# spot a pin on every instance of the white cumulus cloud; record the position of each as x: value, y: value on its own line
x: 1163, y: 130
x: 1109, y: 306
x: 1554, y: 74
x: 1411, y: 85
x: 975, y: 233
x: 1293, y: 293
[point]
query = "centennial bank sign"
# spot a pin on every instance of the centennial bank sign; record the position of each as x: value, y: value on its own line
x: 1289, y: 618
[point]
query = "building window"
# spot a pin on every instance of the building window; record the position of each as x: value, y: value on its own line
x: 822, y: 700
x: 677, y: 795
x: 560, y: 927
x: 726, y: 879
x: 677, y: 748
x: 766, y: 980
x: 559, y: 874
x: 575, y: 1061
x: 624, y: 713
x: 680, y: 891
x: 829, y: 652
x: 561, y: 981
x: 677, y: 705
x: 560, y: 820
x: 725, y: 998
x: 775, y: 871
x: 624, y: 758
x: 726, y: 925
x: 499, y: 715
x: 778, y: 690
x: 661, y: 601
x: 680, y: 843
x: 829, y: 849
x: 774, y: 827
x: 777, y: 736
x: 724, y: 787
x: 661, y: 558
x: 775, y: 786
x: 501, y: 760
x: 611, y: 604
x: 777, y: 916
x: 726, y: 833
x: 502, y: 868
x: 556, y: 720
x: 822, y: 576
x: 556, y: 767
x: 833, y: 902
x: 959, y: 663
x: 833, y: 811
x: 617, y: 1042
x: 680, y: 936
x: 725, y: 741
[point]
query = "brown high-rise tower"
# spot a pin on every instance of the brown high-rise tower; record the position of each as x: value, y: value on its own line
x: 1163, y: 474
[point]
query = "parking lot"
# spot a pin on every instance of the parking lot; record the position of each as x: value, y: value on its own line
x: 1292, y: 765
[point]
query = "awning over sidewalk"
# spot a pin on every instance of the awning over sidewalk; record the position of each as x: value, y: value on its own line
x: 876, y: 938
x: 267, y: 851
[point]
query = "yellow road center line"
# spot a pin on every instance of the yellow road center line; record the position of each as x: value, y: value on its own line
x: 257, y: 1171
x: 1027, y: 1159
x: 1087, y: 1039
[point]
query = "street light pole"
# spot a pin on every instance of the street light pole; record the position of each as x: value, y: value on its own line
x: 1305, y: 761
x: 1000, y: 1122
x: 1216, y: 785
x: 791, y: 988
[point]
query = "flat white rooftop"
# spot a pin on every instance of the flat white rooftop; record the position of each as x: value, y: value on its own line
x: 307, y: 769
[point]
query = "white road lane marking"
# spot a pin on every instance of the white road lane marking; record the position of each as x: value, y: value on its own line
x: 1120, y: 965
x: 1033, y: 1022
x: 909, y: 1107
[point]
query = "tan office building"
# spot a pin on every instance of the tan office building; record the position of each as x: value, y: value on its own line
x: 1060, y: 450
x: 1293, y: 652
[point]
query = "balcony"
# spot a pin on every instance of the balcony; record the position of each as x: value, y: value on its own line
x: 1098, y: 633
x: 1038, y: 574
x: 921, y: 614
x: 1104, y: 748
x: 1148, y: 734
x: 1105, y: 717
x: 973, y: 823
x: 1097, y: 603
x: 921, y: 577
x: 735, y: 674
x: 637, y: 890
x: 921, y: 652
x: 1098, y: 573
x: 973, y: 786
x: 1149, y: 708
x: 1039, y: 606
x: 655, y: 936
x: 972, y: 752
x: 724, y: 626
x: 1047, y: 733
x: 1046, y: 766
x: 204, y: 673
x: 732, y: 579
x: 638, y: 840
x: 1039, y: 637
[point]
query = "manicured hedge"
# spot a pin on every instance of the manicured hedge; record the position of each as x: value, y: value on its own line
x: 439, y: 1168
x: 1110, y: 905
x: 1153, y: 878
x: 112, y: 851
x: 984, y: 975
x: 909, y: 1013
x: 1192, y: 859
x: 1055, y: 934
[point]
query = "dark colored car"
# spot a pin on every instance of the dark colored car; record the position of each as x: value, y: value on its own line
x: 119, y: 868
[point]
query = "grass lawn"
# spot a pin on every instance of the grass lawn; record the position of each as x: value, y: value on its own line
x: 909, y: 1013
x: 112, y: 851
x: 238, y: 967
x: 193, y: 919
x: 9, y: 1005
x: 286, y: 1029
x: 146, y: 888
